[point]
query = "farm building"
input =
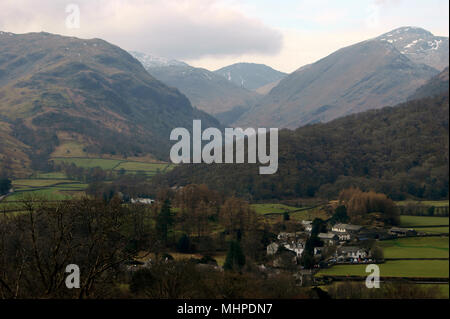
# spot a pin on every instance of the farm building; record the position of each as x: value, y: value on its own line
x: 402, y: 232
x: 346, y: 228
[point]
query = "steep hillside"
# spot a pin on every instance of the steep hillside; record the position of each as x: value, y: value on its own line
x: 367, y: 75
x: 97, y: 92
x: 401, y: 151
x: 206, y: 90
x: 435, y: 86
x: 267, y: 88
x: 250, y: 75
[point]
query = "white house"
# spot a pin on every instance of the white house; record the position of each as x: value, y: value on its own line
x: 352, y: 252
x: 346, y: 228
x: 295, y: 246
x: 146, y: 201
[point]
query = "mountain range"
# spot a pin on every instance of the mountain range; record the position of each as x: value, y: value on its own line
x: 57, y: 90
x: 207, y: 91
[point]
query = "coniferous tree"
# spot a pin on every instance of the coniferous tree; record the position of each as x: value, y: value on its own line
x: 164, y: 221
x: 235, y: 259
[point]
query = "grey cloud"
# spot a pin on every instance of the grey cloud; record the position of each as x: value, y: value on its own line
x: 178, y: 29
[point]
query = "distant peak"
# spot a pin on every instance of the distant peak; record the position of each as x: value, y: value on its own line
x: 409, y: 29
x: 149, y: 61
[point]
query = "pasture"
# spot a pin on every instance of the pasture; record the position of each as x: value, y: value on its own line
x: 262, y: 209
x: 49, y: 189
x: 411, y: 221
x: 416, y: 247
x: 147, y: 168
x: 85, y: 162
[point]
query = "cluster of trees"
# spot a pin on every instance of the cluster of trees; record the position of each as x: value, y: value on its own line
x: 102, y: 237
x: 43, y: 140
x: 400, y: 151
x: 127, y: 186
x: 208, y: 222
x: 367, y: 208
x: 187, y: 279
x: 419, y: 209
x: 85, y: 174
x: 37, y: 245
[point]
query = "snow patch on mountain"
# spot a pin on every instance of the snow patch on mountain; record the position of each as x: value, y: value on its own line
x: 151, y: 61
x: 419, y: 45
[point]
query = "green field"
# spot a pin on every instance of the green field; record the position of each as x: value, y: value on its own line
x: 394, y: 268
x: 416, y: 247
x: 149, y: 169
x: 140, y: 166
x: 30, y: 183
x: 52, y: 175
x: 434, y: 230
x: 50, y: 189
x: 409, y: 221
x: 105, y: 164
x: 50, y: 193
x: 272, y: 208
x: 274, y: 212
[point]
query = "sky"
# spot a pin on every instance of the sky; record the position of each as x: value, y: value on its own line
x: 284, y: 34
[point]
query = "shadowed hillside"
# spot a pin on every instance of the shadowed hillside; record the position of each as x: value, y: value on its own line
x: 98, y: 93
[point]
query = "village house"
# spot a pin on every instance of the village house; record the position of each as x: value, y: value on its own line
x: 346, y: 228
x: 328, y: 238
x: 342, y: 236
x: 283, y: 236
x: 289, y: 241
x: 376, y: 233
x: 272, y: 249
x: 308, y: 225
x: 351, y: 253
x: 296, y: 246
x: 145, y: 201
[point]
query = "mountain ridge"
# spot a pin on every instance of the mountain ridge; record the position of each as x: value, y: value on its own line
x: 207, y: 91
x: 91, y: 89
x: 366, y: 75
